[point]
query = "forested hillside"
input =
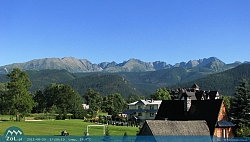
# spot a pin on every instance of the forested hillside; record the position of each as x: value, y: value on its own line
x: 3, y: 78
x: 43, y: 78
x: 223, y: 82
x: 105, y: 84
x: 152, y: 80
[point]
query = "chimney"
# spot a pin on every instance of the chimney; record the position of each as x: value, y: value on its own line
x: 187, y: 103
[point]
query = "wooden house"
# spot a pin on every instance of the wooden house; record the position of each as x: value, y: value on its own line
x: 214, y: 112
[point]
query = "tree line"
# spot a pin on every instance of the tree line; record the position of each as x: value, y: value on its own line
x: 60, y: 99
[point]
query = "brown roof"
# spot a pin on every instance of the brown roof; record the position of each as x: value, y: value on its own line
x: 177, y: 128
x: 207, y: 110
x: 176, y: 131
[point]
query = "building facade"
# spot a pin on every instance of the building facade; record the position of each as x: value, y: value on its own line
x: 143, y: 110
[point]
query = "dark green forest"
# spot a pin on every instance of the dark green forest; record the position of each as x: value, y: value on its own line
x: 105, y: 84
x: 224, y: 82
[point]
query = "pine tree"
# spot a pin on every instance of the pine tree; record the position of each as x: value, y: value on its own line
x: 240, y: 107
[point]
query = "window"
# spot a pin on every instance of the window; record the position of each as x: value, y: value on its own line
x: 151, y: 107
x: 139, y: 107
x: 139, y: 114
x: 224, y: 133
x: 152, y: 114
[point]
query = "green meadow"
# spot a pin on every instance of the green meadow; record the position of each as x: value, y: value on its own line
x: 75, y: 127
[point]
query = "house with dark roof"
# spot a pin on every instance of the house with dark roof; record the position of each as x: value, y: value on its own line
x: 165, y: 130
x: 195, y: 86
x: 213, y: 112
x: 194, y: 93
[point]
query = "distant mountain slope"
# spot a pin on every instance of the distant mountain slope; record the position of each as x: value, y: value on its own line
x: 43, y: 78
x: 153, y: 80
x: 132, y: 65
x: 105, y: 84
x: 224, y: 82
x: 3, y: 78
x: 148, y: 81
x: 200, y: 62
x: 70, y: 64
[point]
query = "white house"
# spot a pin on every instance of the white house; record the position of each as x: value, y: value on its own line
x: 85, y: 106
x: 143, y: 109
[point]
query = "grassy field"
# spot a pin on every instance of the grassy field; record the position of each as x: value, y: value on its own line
x: 55, y: 127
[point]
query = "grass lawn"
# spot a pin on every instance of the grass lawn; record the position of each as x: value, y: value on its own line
x: 55, y: 127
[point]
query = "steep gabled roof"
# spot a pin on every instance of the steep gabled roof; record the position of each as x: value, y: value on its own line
x: 207, y: 110
x: 177, y: 128
x: 164, y: 130
x: 146, y: 102
x: 191, y: 95
x: 143, y: 102
x: 195, y: 86
x: 200, y: 95
x: 212, y: 95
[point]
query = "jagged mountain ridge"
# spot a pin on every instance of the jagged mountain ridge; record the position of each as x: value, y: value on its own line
x: 74, y: 65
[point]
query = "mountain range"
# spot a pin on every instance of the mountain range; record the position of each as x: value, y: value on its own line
x: 141, y: 83
x: 133, y: 76
x: 74, y: 65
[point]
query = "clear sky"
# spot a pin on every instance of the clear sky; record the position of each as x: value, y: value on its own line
x: 117, y: 30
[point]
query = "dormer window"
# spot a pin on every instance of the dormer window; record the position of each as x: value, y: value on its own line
x: 151, y: 107
x: 139, y: 107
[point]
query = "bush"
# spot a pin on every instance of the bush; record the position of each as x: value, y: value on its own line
x: 41, y: 117
x: 244, y: 131
x: 61, y: 117
x: 105, y: 121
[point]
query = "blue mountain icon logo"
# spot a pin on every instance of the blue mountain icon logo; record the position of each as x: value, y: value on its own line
x: 13, y: 134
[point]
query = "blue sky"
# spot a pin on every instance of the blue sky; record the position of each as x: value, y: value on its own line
x: 117, y: 30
